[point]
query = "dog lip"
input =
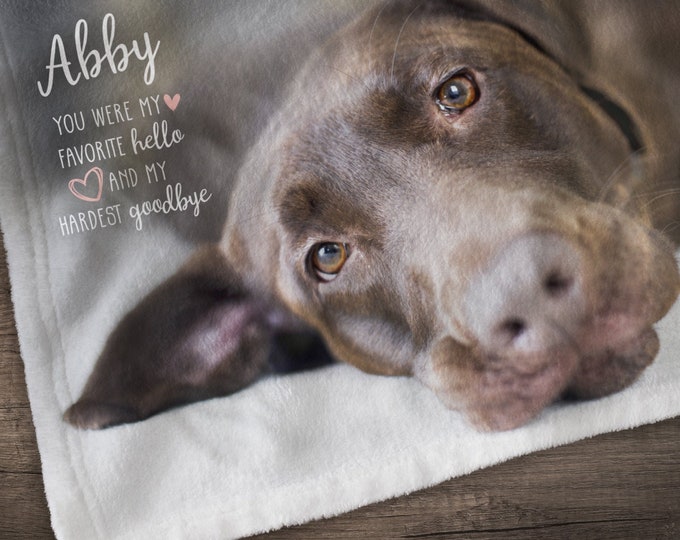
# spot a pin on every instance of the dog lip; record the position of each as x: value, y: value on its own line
x: 589, y: 367
x: 614, y: 329
x: 612, y: 369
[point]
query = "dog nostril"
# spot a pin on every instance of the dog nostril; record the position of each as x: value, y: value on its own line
x: 513, y: 328
x: 557, y: 284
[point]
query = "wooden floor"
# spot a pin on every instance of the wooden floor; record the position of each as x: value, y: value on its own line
x: 623, y: 485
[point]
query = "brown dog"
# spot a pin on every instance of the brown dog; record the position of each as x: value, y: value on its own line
x: 466, y: 192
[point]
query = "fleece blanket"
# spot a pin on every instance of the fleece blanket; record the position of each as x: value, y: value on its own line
x: 106, y: 106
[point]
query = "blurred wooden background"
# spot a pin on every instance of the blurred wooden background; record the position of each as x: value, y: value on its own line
x: 622, y: 485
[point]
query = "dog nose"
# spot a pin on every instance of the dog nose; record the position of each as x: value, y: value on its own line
x: 530, y: 298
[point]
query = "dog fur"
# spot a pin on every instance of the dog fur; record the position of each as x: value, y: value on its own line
x: 507, y: 254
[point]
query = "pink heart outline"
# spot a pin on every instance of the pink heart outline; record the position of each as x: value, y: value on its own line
x: 172, y: 102
x: 73, y: 184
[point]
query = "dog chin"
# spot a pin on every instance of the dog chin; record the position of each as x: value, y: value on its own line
x: 509, y: 392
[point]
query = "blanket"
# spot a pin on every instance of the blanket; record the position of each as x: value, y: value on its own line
x: 106, y: 107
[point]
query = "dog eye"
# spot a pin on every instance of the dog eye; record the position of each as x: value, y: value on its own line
x: 328, y: 259
x: 457, y: 93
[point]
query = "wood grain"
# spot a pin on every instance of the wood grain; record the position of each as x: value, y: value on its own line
x: 620, y: 485
x: 23, y: 507
x: 623, y: 485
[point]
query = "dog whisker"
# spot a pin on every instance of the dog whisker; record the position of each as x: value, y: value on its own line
x: 659, y: 195
x: 351, y: 77
x: 633, y: 161
x: 375, y: 23
x: 569, y: 340
x: 672, y: 226
x: 396, y: 43
x: 251, y: 217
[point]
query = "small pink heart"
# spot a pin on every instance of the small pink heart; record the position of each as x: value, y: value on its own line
x: 171, y: 102
x: 75, y: 183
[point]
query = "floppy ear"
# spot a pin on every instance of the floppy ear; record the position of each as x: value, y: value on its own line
x: 196, y: 336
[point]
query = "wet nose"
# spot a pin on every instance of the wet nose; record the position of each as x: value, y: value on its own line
x: 530, y: 298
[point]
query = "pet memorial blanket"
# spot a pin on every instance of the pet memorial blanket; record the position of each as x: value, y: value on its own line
x: 122, y: 125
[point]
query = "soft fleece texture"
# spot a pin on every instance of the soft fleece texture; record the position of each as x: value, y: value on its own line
x: 290, y: 448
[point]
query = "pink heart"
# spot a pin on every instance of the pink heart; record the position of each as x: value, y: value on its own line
x: 171, y: 102
x: 75, y: 183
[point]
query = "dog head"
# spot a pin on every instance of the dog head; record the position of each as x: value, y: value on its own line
x: 450, y: 202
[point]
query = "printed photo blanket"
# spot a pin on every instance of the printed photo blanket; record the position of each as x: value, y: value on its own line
x: 122, y: 125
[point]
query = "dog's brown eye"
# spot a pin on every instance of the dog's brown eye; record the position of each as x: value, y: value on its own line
x: 328, y: 259
x: 457, y: 93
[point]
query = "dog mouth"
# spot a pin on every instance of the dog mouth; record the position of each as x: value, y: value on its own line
x: 505, y: 393
x: 582, y: 331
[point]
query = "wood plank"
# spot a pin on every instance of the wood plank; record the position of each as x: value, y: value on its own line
x: 11, y: 365
x: 11, y: 375
x: 618, y: 485
x: 23, y: 507
x: 18, y: 446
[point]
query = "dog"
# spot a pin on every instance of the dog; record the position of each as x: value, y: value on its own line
x: 473, y: 193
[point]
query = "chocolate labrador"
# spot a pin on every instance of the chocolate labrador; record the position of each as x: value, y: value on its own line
x: 473, y: 193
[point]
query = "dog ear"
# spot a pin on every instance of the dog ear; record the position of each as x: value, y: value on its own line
x: 198, y: 335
